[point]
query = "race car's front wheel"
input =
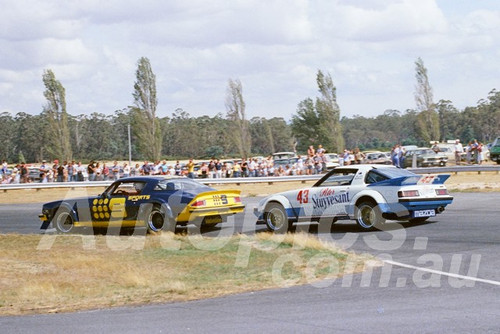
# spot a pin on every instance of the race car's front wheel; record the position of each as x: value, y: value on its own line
x: 157, y: 221
x: 276, y: 218
x: 368, y: 215
x: 63, y: 220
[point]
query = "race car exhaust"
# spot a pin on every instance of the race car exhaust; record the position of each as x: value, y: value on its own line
x: 440, y: 209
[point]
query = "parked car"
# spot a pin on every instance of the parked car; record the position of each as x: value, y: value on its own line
x: 366, y: 193
x: 283, y: 155
x: 34, y: 174
x: 425, y: 156
x: 156, y: 203
x: 495, y: 151
x: 383, y: 158
x: 332, y: 160
x: 285, y: 162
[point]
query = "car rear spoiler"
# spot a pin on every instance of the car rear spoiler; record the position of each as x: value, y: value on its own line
x: 413, y: 180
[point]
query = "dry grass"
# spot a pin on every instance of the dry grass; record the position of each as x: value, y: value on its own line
x: 46, y: 274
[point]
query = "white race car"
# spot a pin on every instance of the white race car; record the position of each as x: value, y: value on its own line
x: 369, y: 194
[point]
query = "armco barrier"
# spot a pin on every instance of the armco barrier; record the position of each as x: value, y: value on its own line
x: 242, y: 180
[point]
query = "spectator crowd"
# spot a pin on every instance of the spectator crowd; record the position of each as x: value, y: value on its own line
x: 316, y: 161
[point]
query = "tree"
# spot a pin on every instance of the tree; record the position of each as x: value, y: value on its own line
x: 428, y: 119
x: 319, y: 123
x: 146, y: 125
x: 8, y: 129
x: 305, y: 124
x: 448, y: 118
x: 30, y: 139
x: 235, y: 107
x: 488, y: 118
x: 329, y: 114
x: 262, y: 136
x: 57, y: 118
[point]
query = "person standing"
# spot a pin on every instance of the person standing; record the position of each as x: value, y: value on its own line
x: 79, y: 172
x: 126, y: 170
x: 91, y: 171
x: 115, y: 170
x: 178, y: 168
x: 458, y: 151
x: 190, y: 167
x: 479, y: 152
x: 346, y: 157
x: 23, y: 171
x: 310, y: 151
x: 395, y: 154
x: 218, y: 169
x: 146, y: 168
x: 358, y: 156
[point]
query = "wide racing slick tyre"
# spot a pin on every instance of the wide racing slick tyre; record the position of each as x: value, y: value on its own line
x: 63, y: 221
x: 157, y: 220
x: 276, y: 218
x: 368, y: 216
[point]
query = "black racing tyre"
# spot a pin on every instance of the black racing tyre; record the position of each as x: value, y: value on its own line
x: 418, y: 220
x: 276, y: 218
x: 63, y: 221
x: 157, y: 221
x: 368, y: 215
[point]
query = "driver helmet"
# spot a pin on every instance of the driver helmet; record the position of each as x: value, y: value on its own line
x: 138, y: 186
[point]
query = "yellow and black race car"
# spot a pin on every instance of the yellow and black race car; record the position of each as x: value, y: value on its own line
x: 157, y: 203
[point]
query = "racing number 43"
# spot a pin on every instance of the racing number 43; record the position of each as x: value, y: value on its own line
x: 303, y: 196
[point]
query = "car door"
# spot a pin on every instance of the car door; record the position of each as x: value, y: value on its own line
x: 119, y: 202
x: 329, y: 197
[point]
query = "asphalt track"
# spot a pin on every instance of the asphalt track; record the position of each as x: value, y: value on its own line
x: 437, y: 277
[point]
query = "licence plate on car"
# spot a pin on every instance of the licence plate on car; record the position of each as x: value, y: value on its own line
x: 213, y: 220
x: 424, y: 213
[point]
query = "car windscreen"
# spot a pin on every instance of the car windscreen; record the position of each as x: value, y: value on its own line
x: 341, y: 177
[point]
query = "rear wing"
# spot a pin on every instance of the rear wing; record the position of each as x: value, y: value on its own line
x: 413, y: 180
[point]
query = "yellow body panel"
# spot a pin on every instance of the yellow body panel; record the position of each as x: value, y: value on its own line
x: 217, y: 203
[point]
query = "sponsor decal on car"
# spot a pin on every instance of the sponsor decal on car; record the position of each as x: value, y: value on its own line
x: 327, y: 197
x: 138, y: 197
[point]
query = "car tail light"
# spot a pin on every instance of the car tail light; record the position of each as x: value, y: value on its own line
x: 408, y: 193
x: 199, y: 203
x: 441, y: 192
x: 237, y: 199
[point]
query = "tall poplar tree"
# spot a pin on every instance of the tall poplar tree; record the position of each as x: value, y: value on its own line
x: 146, y: 125
x: 329, y: 113
x: 235, y: 107
x: 59, y: 145
x: 427, y: 118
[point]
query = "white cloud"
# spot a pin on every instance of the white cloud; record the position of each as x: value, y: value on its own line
x: 273, y: 47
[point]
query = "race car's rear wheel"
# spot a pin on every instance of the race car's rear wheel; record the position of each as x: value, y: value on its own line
x: 276, y: 218
x: 368, y: 215
x: 63, y: 220
x: 157, y: 221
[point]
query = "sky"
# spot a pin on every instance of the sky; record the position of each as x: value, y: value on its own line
x: 275, y: 48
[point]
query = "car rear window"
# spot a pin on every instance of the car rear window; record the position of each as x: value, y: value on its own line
x: 392, y: 173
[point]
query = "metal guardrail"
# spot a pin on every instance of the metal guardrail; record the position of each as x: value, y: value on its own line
x: 243, y: 180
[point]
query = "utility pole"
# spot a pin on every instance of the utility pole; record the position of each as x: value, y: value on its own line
x: 129, y: 147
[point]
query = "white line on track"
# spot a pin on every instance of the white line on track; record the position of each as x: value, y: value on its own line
x: 444, y: 273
